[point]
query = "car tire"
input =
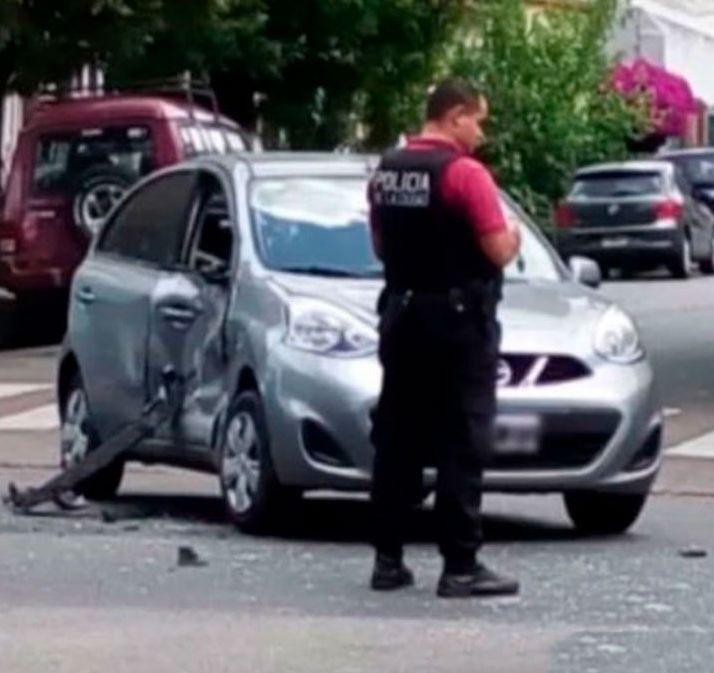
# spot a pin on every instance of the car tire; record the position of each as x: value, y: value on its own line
x: 252, y: 494
x: 707, y: 265
x: 97, y: 191
x: 78, y: 437
x: 682, y: 266
x: 598, y: 513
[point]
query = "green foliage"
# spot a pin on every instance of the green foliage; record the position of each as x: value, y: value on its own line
x: 546, y: 77
x: 321, y: 66
x: 45, y: 41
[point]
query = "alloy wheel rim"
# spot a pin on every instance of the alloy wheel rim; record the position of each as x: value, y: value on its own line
x: 98, y: 203
x: 240, y: 469
x: 74, y: 439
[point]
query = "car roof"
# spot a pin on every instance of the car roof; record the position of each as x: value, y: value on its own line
x: 658, y: 166
x: 99, y: 110
x: 286, y: 164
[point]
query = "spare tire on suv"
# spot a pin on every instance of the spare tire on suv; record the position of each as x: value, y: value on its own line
x: 98, y: 190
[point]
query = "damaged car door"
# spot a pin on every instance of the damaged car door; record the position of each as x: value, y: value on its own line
x: 188, y: 315
x: 112, y: 290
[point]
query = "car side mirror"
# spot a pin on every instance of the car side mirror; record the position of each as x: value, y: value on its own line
x: 585, y: 271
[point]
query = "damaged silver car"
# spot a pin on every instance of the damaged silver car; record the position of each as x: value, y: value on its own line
x: 252, y: 278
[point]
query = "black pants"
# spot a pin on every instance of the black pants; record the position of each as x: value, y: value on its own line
x: 436, y: 407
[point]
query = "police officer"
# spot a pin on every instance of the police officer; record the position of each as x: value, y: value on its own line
x: 438, y: 225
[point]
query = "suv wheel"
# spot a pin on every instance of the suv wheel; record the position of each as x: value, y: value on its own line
x: 98, y: 191
x: 594, y: 512
x: 252, y: 494
x: 683, y: 267
x: 78, y: 437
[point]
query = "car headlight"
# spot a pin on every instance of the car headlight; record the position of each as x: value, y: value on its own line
x: 319, y: 327
x: 617, y: 339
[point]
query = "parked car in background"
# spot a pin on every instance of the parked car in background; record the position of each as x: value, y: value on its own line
x: 636, y: 215
x: 697, y: 166
x: 74, y: 160
x: 252, y: 277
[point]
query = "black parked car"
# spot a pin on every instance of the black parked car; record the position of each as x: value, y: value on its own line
x: 697, y: 167
x: 636, y: 215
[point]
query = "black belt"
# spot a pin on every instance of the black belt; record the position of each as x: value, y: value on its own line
x: 481, y: 293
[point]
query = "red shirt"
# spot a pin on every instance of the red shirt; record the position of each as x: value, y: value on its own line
x: 467, y: 186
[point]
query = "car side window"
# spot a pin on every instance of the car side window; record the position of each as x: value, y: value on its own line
x: 151, y: 226
x: 212, y: 246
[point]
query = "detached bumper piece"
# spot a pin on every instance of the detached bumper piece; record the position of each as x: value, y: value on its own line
x: 156, y: 413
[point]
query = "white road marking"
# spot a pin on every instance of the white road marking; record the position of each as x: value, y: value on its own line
x: 35, y: 420
x: 15, y: 389
x: 699, y: 447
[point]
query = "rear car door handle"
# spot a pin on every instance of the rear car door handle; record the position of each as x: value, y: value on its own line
x: 85, y: 295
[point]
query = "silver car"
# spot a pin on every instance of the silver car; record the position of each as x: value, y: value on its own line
x: 252, y: 277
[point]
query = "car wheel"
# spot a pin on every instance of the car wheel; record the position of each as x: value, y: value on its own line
x: 98, y: 190
x: 252, y: 493
x: 595, y: 512
x: 707, y: 265
x: 78, y: 438
x: 683, y: 267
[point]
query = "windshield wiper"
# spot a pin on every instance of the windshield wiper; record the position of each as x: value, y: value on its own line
x: 333, y: 272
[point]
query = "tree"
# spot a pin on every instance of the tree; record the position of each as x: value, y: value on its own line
x: 321, y: 67
x: 44, y: 42
x: 548, y: 81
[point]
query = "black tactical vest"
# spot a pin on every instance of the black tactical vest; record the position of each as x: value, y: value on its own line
x: 426, y: 245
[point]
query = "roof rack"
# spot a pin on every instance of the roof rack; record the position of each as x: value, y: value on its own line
x: 183, y: 86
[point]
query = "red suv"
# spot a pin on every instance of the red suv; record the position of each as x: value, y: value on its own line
x: 74, y: 159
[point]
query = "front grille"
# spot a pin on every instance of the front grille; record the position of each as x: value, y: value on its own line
x: 562, y: 368
x: 520, y: 365
x: 570, y: 440
x: 523, y: 369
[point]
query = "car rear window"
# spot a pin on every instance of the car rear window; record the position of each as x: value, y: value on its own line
x: 618, y: 184
x: 63, y: 158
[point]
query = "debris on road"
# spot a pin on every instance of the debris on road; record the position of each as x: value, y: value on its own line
x: 57, y: 489
x: 188, y: 558
x: 693, y: 552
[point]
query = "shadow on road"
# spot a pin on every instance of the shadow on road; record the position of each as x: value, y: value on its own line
x: 40, y: 324
x: 327, y: 520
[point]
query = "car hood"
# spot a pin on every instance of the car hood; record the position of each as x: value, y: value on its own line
x: 538, y: 317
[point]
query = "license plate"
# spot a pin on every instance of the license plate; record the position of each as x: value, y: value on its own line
x: 517, y: 434
x: 619, y: 242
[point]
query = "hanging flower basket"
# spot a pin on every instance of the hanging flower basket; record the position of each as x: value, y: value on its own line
x: 670, y: 97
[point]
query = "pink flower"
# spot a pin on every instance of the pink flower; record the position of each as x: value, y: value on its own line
x: 671, y: 96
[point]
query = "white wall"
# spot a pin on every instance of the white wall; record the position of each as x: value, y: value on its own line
x: 12, y: 119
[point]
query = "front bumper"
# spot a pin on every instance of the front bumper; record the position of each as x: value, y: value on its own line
x: 336, y: 397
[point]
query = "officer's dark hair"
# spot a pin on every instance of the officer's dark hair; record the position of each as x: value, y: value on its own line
x: 448, y: 94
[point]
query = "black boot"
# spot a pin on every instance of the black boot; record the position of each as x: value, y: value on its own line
x: 390, y: 573
x: 479, y: 582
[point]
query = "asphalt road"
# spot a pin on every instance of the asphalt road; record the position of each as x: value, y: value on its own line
x: 100, y: 589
